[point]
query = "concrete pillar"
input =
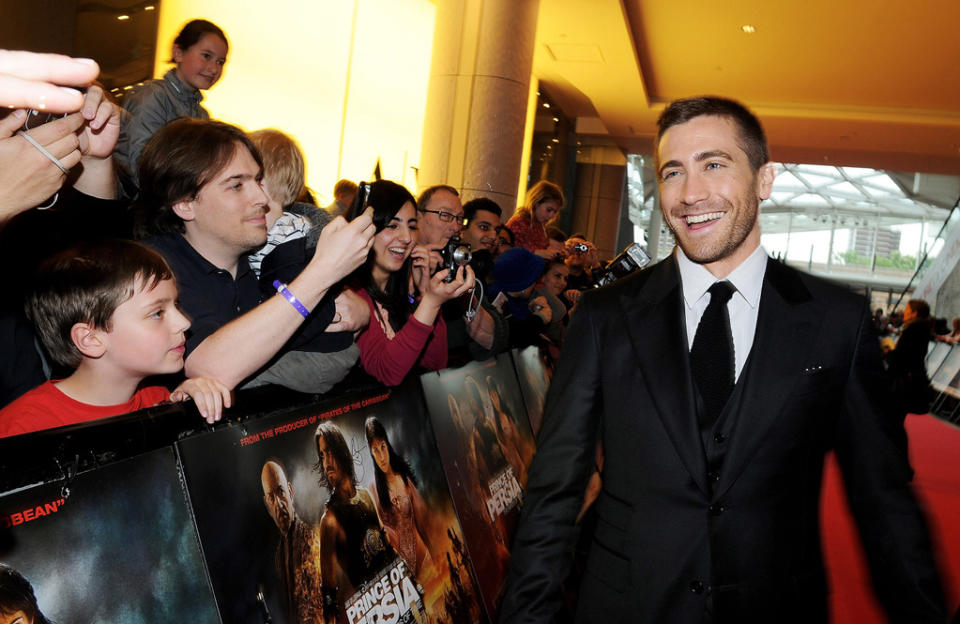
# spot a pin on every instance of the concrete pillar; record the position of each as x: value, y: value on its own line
x: 596, y: 203
x: 477, y: 97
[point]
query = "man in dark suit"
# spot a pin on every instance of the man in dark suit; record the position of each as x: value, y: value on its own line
x: 715, y: 419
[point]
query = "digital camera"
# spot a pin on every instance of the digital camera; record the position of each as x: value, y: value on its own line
x: 455, y: 254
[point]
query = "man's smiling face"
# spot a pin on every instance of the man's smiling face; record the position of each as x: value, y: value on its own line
x: 709, y: 193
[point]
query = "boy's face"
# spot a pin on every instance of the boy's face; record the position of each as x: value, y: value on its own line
x: 147, y: 333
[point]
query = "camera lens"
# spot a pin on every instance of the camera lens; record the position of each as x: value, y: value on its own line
x: 462, y: 255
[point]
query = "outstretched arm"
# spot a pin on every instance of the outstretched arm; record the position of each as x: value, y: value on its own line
x: 543, y: 544
x: 871, y: 449
x: 241, y: 347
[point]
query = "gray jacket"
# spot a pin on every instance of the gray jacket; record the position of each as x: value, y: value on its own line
x: 149, y: 108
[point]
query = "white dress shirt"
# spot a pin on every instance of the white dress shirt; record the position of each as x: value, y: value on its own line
x: 747, y: 279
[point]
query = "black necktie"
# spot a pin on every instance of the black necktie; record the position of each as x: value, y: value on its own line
x: 711, y: 358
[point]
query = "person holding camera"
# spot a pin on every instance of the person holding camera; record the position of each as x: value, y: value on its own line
x: 581, y: 259
x: 57, y: 185
x: 405, y: 328
x: 475, y: 330
x: 529, y: 223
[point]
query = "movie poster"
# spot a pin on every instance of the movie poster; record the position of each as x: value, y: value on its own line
x: 534, y: 374
x: 116, y: 545
x: 334, y: 513
x: 486, y: 446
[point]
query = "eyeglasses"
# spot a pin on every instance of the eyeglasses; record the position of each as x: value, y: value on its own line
x: 446, y: 217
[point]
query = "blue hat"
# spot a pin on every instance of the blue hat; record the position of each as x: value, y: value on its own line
x: 516, y: 269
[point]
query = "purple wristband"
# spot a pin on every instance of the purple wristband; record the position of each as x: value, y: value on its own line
x: 286, y: 294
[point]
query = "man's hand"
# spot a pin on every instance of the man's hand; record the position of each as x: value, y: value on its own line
x: 209, y: 395
x: 38, y: 81
x: 352, y: 314
x: 541, y: 308
x: 343, y: 246
x: 27, y: 177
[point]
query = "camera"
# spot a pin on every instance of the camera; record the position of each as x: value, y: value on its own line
x: 629, y: 260
x: 455, y: 254
x: 360, y: 202
x: 580, y: 247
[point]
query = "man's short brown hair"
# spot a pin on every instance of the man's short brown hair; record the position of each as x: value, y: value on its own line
x: 178, y: 161
x: 920, y: 307
x: 85, y: 284
x: 752, y: 141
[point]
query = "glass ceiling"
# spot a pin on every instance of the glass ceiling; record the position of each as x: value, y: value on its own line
x: 860, y: 225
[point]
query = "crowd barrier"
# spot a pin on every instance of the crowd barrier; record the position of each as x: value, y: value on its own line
x: 158, y: 517
x: 943, y: 369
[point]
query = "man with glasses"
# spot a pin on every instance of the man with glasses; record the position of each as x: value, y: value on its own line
x: 474, y: 331
x: 441, y: 215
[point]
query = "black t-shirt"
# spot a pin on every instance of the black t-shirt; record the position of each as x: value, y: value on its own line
x: 209, y: 296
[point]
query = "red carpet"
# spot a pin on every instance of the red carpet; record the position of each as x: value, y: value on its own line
x: 935, y: 456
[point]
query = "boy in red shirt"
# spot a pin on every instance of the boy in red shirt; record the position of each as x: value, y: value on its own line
x: 109, y: 311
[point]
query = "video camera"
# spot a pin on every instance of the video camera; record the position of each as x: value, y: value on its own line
x: 629, y: 260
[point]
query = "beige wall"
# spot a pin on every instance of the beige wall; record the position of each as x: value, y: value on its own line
x: 346, y: 78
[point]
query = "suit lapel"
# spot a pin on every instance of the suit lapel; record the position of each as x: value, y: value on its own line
x: 655, y: 324
x: 787, y: 323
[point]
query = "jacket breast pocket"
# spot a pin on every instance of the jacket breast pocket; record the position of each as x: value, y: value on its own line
x: 817, y: 380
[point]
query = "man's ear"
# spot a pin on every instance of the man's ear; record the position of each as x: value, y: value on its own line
x: 184, y: 210
x: 89, y: 341
x: 765, y: 177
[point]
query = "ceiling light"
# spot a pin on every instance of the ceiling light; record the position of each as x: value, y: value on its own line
x: 556, y: 120
x: 546, y: 104
x: 123, y: 17
x: 748, y: 28
x: 555, y: 140
x: 149, y: 7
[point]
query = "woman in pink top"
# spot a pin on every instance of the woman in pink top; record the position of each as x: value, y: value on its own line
x: 529, y: 222
x: 400, y: 283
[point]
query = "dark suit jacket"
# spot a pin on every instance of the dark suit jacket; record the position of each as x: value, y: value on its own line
x: 725, y: 520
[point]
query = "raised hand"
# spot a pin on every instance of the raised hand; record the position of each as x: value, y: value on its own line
x: 42, y: 81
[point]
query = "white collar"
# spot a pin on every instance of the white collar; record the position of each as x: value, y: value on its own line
x: 747, y: 278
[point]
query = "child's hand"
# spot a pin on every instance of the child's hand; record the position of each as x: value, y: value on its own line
x: 209, y: 395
